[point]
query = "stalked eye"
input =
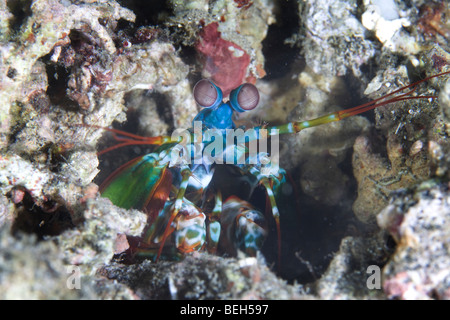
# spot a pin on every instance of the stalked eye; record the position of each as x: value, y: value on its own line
x: 244, y: 98
x: 207, y: 94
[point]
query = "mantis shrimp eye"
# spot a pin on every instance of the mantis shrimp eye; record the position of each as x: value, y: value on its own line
x: 207, y: 94
x: 244, y: 98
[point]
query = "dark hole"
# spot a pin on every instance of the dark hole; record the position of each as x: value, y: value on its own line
x: 11, y: 73
x: 42, y: 219
x: 278, y: 55
x: 148, y: 12
x: 57, y: 85
x: 20, y: 10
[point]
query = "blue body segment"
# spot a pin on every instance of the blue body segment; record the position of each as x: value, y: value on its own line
x: 219, y: 117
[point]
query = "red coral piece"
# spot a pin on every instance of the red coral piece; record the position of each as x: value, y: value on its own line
x: 224, y: 61
x: 244, y: 3
x: 433, y: 15
x: 439, y: 62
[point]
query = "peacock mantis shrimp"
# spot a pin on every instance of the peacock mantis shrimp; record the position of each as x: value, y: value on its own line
x: 172, y: 184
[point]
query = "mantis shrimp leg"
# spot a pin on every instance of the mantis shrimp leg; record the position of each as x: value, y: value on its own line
x: 214, y: 228
x: 185, y: 174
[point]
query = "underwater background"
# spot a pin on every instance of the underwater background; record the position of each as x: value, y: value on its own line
x: 366, y: 211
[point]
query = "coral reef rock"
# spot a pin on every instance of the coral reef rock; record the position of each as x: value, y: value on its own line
x: 420, y: 224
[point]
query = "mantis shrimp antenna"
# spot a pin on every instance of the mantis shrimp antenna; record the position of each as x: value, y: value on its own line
x: 395, y: 96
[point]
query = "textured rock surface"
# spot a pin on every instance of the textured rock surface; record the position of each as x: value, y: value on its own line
x: 68, y: 67
x: 419, y: 268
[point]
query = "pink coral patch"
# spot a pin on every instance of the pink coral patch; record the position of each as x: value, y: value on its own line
x: 225, y: 62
